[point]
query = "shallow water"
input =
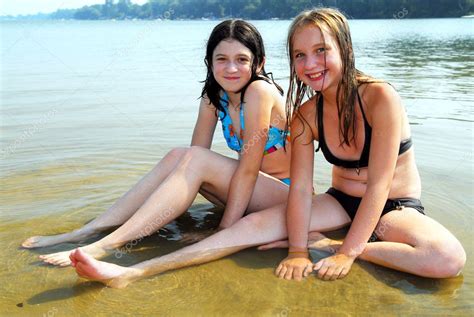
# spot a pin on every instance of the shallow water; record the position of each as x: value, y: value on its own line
x: 89, y: 107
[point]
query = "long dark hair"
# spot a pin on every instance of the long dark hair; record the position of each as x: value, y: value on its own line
x: 249, y: 36
x: 336, y: 23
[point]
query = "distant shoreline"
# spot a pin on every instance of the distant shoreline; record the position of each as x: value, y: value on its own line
x: 253, y: 10
x: 8, y: 18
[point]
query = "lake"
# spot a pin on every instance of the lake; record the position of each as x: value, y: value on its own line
x: 88, y: 107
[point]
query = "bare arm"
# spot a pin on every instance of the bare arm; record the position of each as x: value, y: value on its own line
x: 258, y: 107
x: 298, y: 213
x: 205, y: 125
x: 299, y: 200
x: 386, y: 112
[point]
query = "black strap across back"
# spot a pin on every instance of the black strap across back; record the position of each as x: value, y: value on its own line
x: 364, y: 156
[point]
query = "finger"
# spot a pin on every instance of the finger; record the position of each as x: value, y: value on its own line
x: 289, y: 273
x: 318, y: 265
x: 278, y: 269
x: 283, y: 271
x: 298, y: 273
x: 344, y: 272
x: 337, y: 273
x: 322, y: 271
x: 329, y: 273
x: 308, y: 269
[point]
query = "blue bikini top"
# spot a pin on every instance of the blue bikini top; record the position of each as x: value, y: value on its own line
x: 276, y: 136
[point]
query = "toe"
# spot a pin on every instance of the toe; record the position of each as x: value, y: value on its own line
x: 28, y: 243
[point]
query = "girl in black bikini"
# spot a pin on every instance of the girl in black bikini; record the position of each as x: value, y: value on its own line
x: 363, y: 131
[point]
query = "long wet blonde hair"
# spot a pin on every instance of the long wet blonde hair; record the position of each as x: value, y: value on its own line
x: 336, y: 23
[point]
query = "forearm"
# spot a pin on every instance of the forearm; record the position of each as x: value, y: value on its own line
x: 365, y: 222
x: 240, y: 192
x: 298, y: 221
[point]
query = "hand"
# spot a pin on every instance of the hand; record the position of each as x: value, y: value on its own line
x: 294, y: 267
x: 334, y: 267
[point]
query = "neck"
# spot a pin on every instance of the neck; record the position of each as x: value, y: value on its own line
x: 329, y: 96
x: 234, y: 99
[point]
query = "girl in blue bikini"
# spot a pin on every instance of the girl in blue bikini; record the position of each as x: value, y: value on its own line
x: 250, y: 106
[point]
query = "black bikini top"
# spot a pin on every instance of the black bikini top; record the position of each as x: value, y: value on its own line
x: 364, y: 157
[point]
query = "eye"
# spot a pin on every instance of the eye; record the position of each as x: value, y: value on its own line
x: 299, y: 55
x: 243, y: 60
x: 320, y: 50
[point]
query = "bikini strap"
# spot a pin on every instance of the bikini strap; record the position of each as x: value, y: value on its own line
x: 225, y: 102
x: 319, y: 113
x: 242, y: 124
x: 362, y: 110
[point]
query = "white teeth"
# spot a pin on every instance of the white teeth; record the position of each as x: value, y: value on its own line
x: 315, y: 75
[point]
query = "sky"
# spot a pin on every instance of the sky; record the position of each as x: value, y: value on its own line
x: 16, y: 7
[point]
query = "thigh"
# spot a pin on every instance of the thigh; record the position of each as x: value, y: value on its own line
x: 409, y: 226
x: 327, y: 214
x: 219, y: 169
x: 213, y: 199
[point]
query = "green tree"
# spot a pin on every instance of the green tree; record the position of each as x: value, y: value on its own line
x: 87, y: 13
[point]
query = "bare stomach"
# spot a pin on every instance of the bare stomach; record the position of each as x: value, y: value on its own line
x: 277, y: 164
x: 405, y: 184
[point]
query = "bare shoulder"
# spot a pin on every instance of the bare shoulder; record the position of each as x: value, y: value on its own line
x: 260, y: 89
x: 260, y: 97
x: 304, y: 117
x: 206, y: 104
x: 380, y: 98
x: 308, y: 111
x: 381, y: 93
x: 308, y: 108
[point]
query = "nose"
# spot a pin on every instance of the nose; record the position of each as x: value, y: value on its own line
x: 311, y: 62
x: 231, y: 67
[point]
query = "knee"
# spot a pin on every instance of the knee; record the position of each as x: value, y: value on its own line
x: 195, y: 156
x: 253, y: 220
x: 176, y: 154
x: 194, y: 151
x: 447, y: 260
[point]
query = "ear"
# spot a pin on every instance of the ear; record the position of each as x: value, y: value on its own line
x: 260, y: 67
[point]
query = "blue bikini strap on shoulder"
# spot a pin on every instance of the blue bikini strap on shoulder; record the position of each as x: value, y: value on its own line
x: 242, y: 124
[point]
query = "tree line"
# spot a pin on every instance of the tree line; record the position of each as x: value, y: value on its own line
x: 265, y: 9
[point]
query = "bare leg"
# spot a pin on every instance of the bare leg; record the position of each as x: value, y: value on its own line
x: 198, y: 168
x: 414, y: 243
x: 411, y: 242
x: 255, y: 229
x: 121, y: 210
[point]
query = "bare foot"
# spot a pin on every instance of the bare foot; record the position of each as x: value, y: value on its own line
x: 319, y: 241
x: 44, y: 241
x: 109, y: 274
x: 62, y: 258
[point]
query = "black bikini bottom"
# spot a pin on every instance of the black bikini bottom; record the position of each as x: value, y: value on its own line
x: 351, y: 204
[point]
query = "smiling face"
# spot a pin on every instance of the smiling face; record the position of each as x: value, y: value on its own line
x: 316, y: 58
x: 232, y: 65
